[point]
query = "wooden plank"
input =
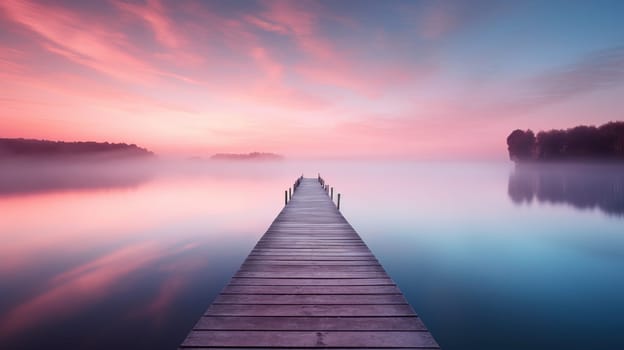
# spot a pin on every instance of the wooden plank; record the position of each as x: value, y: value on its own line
x: 310, y: 299
x: 310, y: 310
x: 311, y: 274
x: 299, y: 241
x: 288, y: 323
x: 293, y: 252
x: 312, y: 252
x: 292, y: 348
x: 282, y: 339
x: 323, y: 245
x: 312, y: 258
x: 348, y: 249
x: 309, y: 268
x: 270, y: 261
x: 315, y: 248
x: 312, y: 282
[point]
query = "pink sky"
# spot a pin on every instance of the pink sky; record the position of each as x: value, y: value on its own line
x: 300, y: 78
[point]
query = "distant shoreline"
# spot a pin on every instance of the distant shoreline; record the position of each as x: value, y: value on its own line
x: 26, y: 149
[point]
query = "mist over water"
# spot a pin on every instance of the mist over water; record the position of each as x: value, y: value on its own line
x: 129, y: 254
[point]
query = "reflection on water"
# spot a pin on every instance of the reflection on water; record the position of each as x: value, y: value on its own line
x: 121, y: 255
x: 130, y: 255
x: 584, y: 186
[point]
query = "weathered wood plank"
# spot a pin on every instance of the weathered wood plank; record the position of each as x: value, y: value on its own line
x: 311, y: 254
x: 317, y: 246
x: 296, y: 348
x: 312, y: 251
x: 309, y: 268
x: 311, y: 274
x: 312, y: 282
x: 270, y: 261
x: 312, y: 258
x: 397, y: 339
x: 310, y: 310
x: 406, y: 323
x: 311, y: 299
x: 277, y: 289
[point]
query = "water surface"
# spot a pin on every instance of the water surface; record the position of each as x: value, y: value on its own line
x: 490, y: 255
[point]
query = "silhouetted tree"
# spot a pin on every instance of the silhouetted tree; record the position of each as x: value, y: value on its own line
x: 521, y: 145
x: 551, y: 144
x: 613, y: 134
x: 580, y: 142
x: 583, y: 142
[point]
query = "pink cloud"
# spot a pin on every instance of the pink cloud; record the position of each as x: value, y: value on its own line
x: 154, y: 15
x: 271, y: 89
x: 299, y: 20
x: 83, y: 39
x: 265, y: 24
x: 285, y: 75
x: 325, y: 63
x: 9, y: 59
x: 272, y: 69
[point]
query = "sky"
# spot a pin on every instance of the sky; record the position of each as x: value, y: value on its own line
x: 332, y: 79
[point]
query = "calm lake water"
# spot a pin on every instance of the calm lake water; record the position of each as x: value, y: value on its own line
x: 492, y: 256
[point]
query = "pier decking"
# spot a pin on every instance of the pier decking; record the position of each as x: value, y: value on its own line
x: 310, y: 282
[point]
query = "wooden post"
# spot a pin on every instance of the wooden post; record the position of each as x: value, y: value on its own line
x: 338, y: 205
x: 289, y: 193
x: 332, y: 194
x: 285, y: 197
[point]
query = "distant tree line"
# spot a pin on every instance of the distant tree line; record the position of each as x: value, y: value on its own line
x: 605, y: 142
x: 44, y: 148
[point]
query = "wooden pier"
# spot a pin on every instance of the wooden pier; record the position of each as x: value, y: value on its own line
x: 310, y: 282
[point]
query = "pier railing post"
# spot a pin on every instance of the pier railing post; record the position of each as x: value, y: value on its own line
x: 332, y: 194
x: 338, y: 204
x: 285, y: 197
x: 289, y: 193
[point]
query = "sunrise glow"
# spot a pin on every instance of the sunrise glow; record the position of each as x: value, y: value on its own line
x: 422, y: 79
